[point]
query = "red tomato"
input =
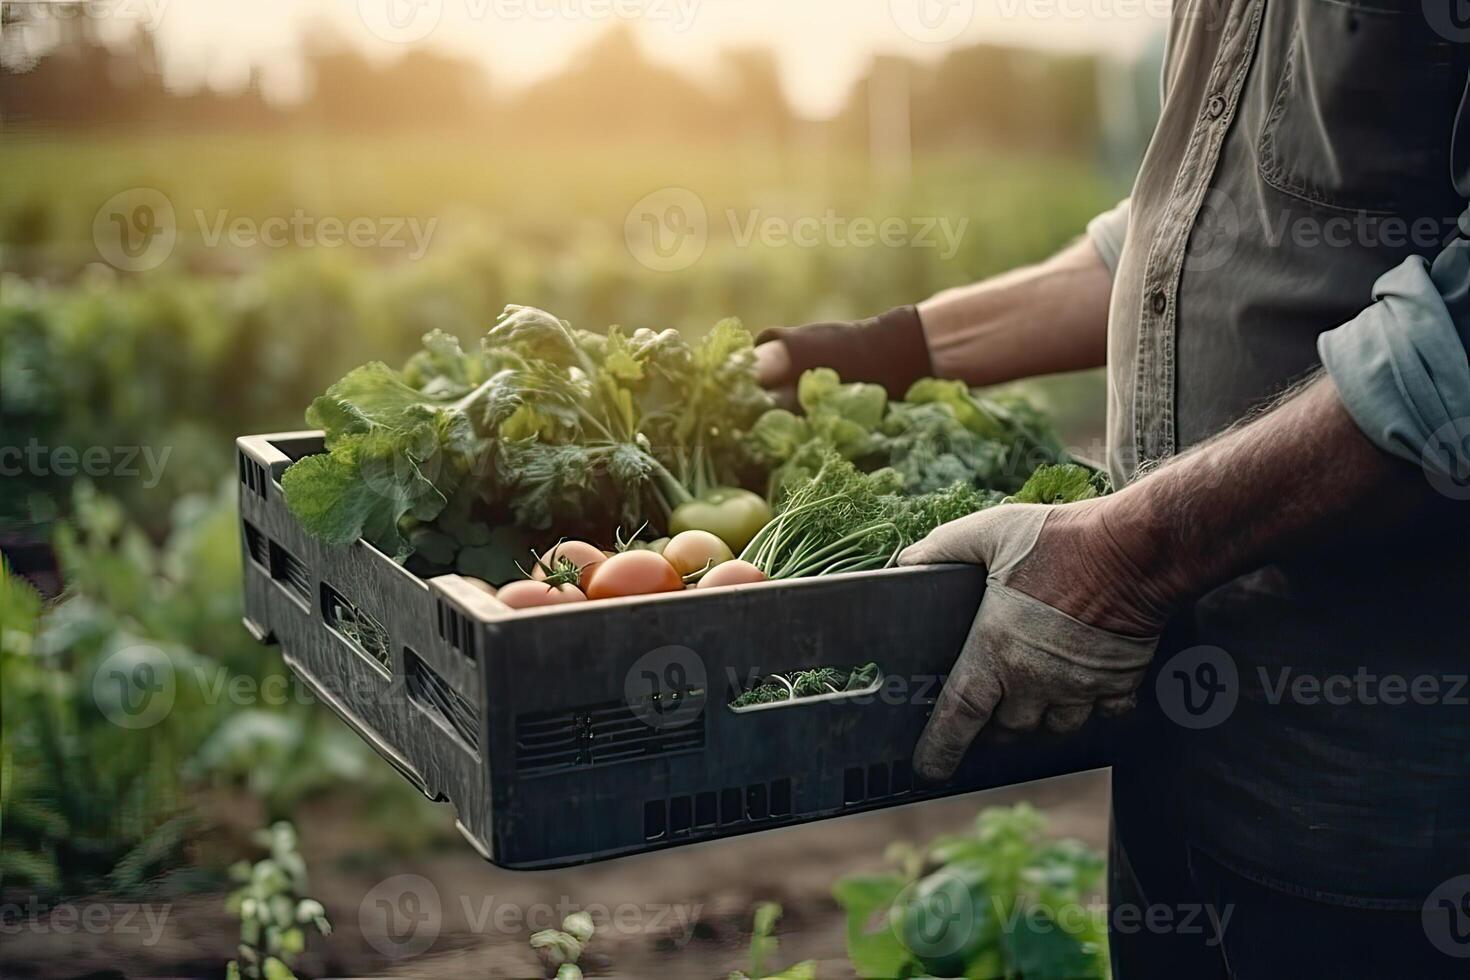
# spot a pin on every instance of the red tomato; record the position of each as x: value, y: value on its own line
x: 733, y: 572
x: 527, y: 594
x: 634, y: 573
x: 585, y: 556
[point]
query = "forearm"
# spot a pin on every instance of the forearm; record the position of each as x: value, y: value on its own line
x: 1262, y: 491
x: 1036, y: 320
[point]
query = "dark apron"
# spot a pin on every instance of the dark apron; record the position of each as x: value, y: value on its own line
x: 1341, y: 138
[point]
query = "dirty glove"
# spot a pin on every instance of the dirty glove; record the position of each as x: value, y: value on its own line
x: 1039, y: 652
x: 889, y: 350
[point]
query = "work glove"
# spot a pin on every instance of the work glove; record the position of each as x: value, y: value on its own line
x: 889, y: 350
x: 1027, y: 663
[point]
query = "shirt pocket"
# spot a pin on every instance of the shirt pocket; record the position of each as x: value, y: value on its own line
x: 1357, y: 122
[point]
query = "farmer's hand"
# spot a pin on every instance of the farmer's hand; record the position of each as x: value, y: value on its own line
x: 890, y: 350
x: 1067, y: 626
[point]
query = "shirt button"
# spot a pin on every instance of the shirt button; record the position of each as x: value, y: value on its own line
x: 1160, y: 302
x: 1215, y: 108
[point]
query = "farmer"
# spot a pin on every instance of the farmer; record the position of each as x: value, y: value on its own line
x: 1281, y: 582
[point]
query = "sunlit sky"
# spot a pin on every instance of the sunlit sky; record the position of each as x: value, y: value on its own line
x: 822, y: 45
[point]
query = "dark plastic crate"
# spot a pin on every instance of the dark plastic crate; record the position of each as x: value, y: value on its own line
x: 578, y: 733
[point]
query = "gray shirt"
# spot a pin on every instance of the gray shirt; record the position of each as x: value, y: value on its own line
x: 1301, y: 203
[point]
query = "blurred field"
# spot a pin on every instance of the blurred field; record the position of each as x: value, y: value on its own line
x: 222, y: 339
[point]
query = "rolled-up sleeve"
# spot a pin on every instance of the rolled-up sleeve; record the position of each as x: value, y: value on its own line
x: 1107, y: 232
x: 1401, y: 366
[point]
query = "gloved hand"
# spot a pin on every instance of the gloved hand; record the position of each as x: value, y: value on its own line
x: 1066, y: 626
x: 889, y: 350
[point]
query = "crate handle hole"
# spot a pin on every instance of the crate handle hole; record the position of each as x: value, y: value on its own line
x: 797, y: 682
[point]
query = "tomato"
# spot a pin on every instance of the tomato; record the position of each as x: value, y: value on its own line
x: 733, y: 572
x: 527, y: 594
x: 695, y: 551
x: 634, y: 573
x: 579, y: 553
x: 730, y: 513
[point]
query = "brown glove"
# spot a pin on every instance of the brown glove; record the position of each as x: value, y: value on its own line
x: 889, y: 350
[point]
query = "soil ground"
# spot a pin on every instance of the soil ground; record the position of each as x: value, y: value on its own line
x: 679, y: 913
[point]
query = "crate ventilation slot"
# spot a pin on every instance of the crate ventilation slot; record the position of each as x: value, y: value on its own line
x: 880, y: 781
x: 252, y: 474
x: 290, y: 571
x: 457, y: 630
x: 708, y: 810
x: 426, y: 687
x: 597, y: 735
x: 256, y: 546
x: 362, y: 632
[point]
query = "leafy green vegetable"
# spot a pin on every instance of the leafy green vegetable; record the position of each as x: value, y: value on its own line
x: 273, y: 909
x: 392, y: 450
x: 844, y: 520
x: 1064, y: 483
x: 942, y: 433
x: 1000, y: 901
x: 763, y: 946
x: 544, y: 427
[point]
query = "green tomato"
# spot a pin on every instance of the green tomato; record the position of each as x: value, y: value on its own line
x: 729, y: 513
